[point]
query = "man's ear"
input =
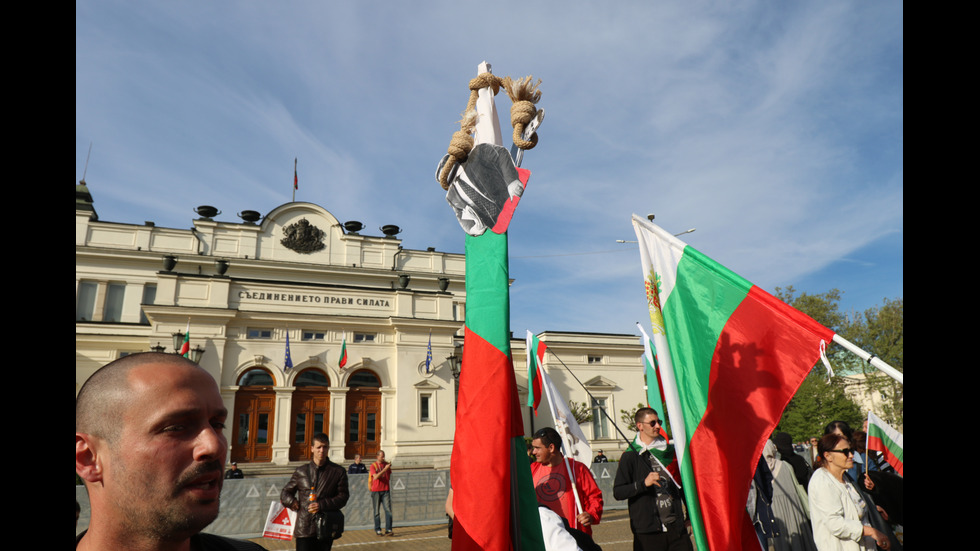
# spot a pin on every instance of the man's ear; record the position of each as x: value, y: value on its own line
x: 88, y: 461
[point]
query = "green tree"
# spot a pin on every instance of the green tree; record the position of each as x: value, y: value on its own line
x: 580, y: 411
x: 819, y: 401
x: 880, y: 330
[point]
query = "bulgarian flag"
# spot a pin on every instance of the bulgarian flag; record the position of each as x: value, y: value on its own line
x: 494, y: 504
x: 655, y: 396
x: 343, y: 352
x: 185, y: 348
x: 731, y: 356
x: 535, y: 359
x: 883, y: 438
x: 295, y: 174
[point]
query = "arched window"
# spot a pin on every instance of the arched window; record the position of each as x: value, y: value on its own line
x: 364, y: 378
x: 256, y: 377
x: 312, y: 377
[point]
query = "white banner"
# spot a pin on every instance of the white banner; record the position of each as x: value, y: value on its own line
x: 279, y: 523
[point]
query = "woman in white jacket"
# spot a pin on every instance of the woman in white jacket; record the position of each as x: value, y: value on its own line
x: 837, y: 510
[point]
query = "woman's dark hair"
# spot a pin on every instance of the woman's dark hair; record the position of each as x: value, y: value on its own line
x: 844, y: 428
x: 858, y: 440
x: 826, y: 443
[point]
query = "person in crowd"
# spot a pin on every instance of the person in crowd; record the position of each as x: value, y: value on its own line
x: 314, y: 489
x: 357, y: 467
x: 600, y: 458
x: 843, y: 429
x: 150, y: 448
x: 234, y: 472
x: 654, y: 500
x: 784, y: 445
x: 793, y: 531
x: 839, y: 512
x: 812, y: 455
x: 553, y: 486
x: 379, y: 476
x: 759, y: 503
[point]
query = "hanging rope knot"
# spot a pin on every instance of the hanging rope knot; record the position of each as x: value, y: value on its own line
x: 522, y: 113
x: 523, y: 94
x: 486, y: 80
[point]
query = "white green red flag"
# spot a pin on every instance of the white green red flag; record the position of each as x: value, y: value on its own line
x: 888, y: 441
x: 535, y: 361
x: 651, y: 372
x: 731, y: 357
x: 185, y: 347
x: 494, y: 504
x: 342, y: 361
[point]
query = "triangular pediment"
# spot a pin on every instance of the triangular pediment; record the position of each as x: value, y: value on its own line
x: 427, y: 384
x: 600, y: 382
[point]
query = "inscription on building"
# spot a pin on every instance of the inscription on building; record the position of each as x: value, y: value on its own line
x: 339, y: 300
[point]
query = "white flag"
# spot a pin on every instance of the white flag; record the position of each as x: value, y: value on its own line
x: 576, y: 444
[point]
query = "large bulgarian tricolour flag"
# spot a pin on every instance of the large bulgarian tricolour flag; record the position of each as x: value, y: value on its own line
x: 494, y: 504
x: 731, y: 356
x: 883, y: 438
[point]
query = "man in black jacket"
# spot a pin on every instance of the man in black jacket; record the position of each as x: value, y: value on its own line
x: 656, y: 515
x: 319, y: 486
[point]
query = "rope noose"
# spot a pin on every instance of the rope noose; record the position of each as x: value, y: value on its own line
x: 523, y: 94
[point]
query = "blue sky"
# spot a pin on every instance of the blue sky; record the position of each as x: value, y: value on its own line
x: 774, y: 129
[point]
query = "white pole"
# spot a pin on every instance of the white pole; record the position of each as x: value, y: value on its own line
x: 487, y: 125
x: 873, y: 360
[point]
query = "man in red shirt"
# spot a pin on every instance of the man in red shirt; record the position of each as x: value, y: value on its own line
x: 378, y: 477
x: 553, y: 486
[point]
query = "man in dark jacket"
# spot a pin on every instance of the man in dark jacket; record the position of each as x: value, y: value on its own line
x: 320, y: 485
x: 357, y: 467
x: 656, y: 515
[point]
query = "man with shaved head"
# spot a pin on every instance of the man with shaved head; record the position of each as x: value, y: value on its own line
x: 150, y: 447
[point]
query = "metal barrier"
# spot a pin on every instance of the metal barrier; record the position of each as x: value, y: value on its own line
x: 417, y: 498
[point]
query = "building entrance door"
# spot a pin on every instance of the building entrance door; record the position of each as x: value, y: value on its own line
x: 311, y: 415
x: 363, y: 415
x: 251, y: 441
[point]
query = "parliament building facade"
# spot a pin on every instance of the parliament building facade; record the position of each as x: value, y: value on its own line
x: 298, y: 279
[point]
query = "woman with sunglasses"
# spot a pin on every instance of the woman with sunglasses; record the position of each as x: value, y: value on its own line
x: 838, y: 511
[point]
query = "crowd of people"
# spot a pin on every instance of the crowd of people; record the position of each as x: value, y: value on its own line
x: 835, y: 496
x: 150, y: 449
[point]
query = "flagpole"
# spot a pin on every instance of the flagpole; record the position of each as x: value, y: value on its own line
x: 871, y: 359
x: 867, y: 439
x: 603, y: 410
x: 567, y: 445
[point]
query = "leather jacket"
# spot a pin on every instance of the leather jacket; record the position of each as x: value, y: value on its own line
x: 331, y: 493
